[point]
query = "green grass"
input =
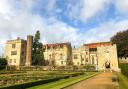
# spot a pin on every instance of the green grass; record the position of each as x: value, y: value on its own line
x: 64, y: 82
x: 123, y: 81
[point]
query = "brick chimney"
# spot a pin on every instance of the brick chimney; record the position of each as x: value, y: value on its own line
x: 29, y: 50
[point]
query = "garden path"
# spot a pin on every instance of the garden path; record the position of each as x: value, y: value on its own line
x: 100, y: 81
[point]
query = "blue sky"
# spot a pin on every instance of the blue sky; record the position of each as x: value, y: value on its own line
x: 75, y: 21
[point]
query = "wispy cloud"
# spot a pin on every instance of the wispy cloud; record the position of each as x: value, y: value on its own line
x: 121, y: 6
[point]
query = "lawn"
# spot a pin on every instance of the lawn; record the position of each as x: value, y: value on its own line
x: 64, y: 82
x: 123, y: 81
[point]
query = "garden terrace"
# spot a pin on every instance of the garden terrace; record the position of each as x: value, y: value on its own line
x: 9, y: 79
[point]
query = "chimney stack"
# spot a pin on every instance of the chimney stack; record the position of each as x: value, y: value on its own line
x: 18, y: 38
x: 29, y: 50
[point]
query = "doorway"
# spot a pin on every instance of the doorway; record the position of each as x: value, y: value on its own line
x: 107, y: 64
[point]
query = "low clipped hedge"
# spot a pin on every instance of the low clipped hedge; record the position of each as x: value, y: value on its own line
x: 34, y: 83
x: 11, y: 72
x: 124, y: 69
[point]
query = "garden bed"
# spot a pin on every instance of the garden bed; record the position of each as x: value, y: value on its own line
x: 29, y: 79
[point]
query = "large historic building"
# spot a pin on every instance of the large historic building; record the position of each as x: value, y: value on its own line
x: 58, y: 54
x: 102, y: 55
x: 18, y: 52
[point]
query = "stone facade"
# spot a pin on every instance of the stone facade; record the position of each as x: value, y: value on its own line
x: 107, y: 56
x: 15, y: 52
x: 123, y: 60
x: 58, y: 54
x: 80, y: 56
x: 102, y: 55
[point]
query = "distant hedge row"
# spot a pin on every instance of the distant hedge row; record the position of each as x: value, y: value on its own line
x: 124, y: 69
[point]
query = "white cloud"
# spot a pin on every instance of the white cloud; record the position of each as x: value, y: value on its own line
x: 24, y: 23
x: 88, y: 9
x: 4, y: 7
x: 51, y: 5
x: 121, y: 6
x: 92, y: 7
x: 105, y: 31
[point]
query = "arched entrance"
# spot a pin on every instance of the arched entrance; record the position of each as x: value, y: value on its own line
x: 107, y: 64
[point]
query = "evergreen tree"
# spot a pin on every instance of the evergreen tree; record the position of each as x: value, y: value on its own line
x: 37, y: 54
x: 121, y: 39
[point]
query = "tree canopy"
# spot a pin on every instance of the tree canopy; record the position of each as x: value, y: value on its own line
x: 37, y: 50
x: 121, y: 39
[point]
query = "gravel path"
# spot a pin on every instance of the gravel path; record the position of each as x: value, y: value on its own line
x: 101, y: 81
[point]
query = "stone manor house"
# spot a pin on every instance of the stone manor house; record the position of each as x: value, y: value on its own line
x: 102, y: 55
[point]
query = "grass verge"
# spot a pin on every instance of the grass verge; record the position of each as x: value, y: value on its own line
x: 64, y: 82
x: 123, y: 81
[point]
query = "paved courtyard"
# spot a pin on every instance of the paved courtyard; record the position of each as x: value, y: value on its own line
x: 101, y: 81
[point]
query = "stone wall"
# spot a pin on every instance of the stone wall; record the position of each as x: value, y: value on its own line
x: 15, y: 53
x: 123, y: 60
x: 107, y: 54
x: 58, y: 54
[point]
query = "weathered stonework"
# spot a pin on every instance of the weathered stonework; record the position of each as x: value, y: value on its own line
x: 107, y: 54
x: 15, y: 52
x: 123, y: 60
x: 57, y: 54
x: 29, y: 50
x: 102, y: 55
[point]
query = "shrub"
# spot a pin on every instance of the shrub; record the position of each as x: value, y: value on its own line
x: 61, y: 68
x: 124, y: 69
x: 115, y: 78
x: 75, y: 68
x: 89, y: 67
x: 3, y: 63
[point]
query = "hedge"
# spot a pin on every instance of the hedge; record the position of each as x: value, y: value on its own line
x: 34, y: 83
x: 124, y: 69
x: 38, y: 82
